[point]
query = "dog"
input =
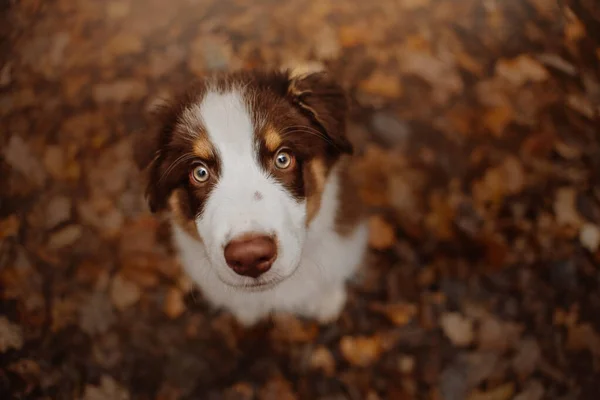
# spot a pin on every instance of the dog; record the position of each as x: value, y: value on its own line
x: 254, y: 170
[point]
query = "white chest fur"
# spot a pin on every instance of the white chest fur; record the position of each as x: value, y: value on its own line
x: 317, y: 287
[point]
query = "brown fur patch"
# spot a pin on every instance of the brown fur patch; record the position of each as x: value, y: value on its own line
x: 316, y: 176
x: 180, y: 214
x: 350, y: 210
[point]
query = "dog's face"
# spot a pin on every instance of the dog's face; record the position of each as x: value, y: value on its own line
x: 241, y: 161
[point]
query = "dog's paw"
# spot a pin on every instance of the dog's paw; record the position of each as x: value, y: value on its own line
x: 331, y: 305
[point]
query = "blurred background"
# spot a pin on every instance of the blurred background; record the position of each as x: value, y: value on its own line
x: 477, y: 130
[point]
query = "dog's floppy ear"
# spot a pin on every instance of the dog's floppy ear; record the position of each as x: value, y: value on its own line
x: 151, y: 158
x: 324, y: 101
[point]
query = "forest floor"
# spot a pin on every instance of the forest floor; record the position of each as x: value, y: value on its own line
x: 477, y: 130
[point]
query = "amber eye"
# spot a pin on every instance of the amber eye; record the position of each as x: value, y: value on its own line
x: 284, y: 160
x: 199, y: 174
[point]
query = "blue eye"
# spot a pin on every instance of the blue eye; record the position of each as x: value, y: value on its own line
x: 283, y: 160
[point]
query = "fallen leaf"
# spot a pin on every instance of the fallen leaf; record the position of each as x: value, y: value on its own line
x: 123, y: 44
x: 174, y: 305
x: 381, y: 84
x: 583, y: 337
x: 108, y: 389
x: 96, y: 314
x: 527, y: 358
x: 322, y: 359
x: 565, y: 207
x: 277, y: 389
x: 399, y: 314
x: 64, y: 313
x: 65, y: 237
x: 492, y: 335
x: 533, y: 390
x: 414, y: 4
x: 288, y: 328
x: 119, y: 91
x: 589, y: 236
x: 497, y: 119
x: 239, y: 391
x: 502, y: 392
x: 327, y: 44
x: 18, y: 155
x: 9, y: 227
x: 361, y: 351
x: 406, y: 364
x: 58, y: 211
x: 521, y: 69
x: 123, y: 292
x: 381, y: 234
x: 457, y: 328
x: 11, y: 335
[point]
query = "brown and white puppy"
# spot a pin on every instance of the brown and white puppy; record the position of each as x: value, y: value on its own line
x: 253, y: 169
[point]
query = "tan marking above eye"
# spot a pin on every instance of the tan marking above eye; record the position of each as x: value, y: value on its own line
x: 272, y: 139
x: 203, y: 148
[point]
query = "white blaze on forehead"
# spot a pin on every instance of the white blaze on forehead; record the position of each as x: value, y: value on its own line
x: 228, y: 123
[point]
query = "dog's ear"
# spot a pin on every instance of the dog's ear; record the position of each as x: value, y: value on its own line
x: 152, y: 159
x: 325, y: 103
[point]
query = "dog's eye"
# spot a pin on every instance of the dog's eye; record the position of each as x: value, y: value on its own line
x: 283, y: 160
x: 199, y: 174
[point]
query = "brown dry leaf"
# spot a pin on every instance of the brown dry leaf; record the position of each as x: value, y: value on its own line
x: 581, y: 104
x: 533, y: 390
x: 399, y: 314
x: 239, y: 391
x: 123, y: 292
x: 506, y: 179
x: 414, y: 4
x: 288, y: 328
x: 352, y: 35
x: 497, y: 119
x: 11, y: 335
x: 381, y: 233
x: 565, y: 207
x: 108, y: 389
x: 361, y: 351
x: 521, y: 69
x: 174, y: 304
x: 58, y: 210
x: 65, y: 237
x: 441, y: 217
x: 457, y: 328
x: 574, y: 28
x: 277, y: 389
x: 502, y: 392
x: 122, y: 44
x: 583, y: 337
x: 119, y: 91
x: 527, y: 357
x: 440, y: 74
x: 375, y: 170
x: 589, y: 236
x: 64, y: 313
x: 322, y: 359
x: 19, y: 156
x: 9, y: 227
x: 382, y: 84
x: 492, y: 335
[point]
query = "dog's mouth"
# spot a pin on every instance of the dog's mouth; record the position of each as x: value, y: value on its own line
x: 255, y: 287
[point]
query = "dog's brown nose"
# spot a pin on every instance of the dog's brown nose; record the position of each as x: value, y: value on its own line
x: 251, y: 255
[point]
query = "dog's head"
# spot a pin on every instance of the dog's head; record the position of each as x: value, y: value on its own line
x: 241, y: 161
